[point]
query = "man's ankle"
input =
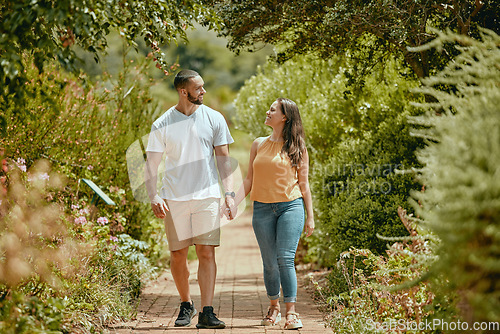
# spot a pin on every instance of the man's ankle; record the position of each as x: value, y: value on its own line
x: 208, y: 309
x: 208, y: 319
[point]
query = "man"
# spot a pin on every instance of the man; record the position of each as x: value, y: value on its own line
x: 189, y: 133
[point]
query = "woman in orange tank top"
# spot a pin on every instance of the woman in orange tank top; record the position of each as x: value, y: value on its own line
x: 278, y: 179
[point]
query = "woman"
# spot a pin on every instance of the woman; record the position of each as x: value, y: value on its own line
x: 278, y: 178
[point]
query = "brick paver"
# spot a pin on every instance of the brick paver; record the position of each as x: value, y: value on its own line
x: 240, y: 296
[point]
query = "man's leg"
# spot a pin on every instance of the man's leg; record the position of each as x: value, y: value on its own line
x: 206, y: 236
x: 180, y: 271
x: 178, y: 219
x: 207, y: 272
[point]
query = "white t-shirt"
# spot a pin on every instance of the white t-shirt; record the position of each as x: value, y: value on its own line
x: 188, y: 142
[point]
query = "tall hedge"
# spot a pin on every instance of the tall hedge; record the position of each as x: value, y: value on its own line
x: 361, y: 187
x: 461, y: 174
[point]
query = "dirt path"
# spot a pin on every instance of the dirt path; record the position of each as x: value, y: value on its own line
x: 240, y: 296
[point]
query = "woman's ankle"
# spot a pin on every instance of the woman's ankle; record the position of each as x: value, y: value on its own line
x: 290, y: 308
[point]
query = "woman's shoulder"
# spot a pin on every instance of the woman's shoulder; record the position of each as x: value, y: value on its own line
x: 260, y: 140
x: 258, y: 143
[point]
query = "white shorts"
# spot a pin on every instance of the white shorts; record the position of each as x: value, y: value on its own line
x: 195, y: 222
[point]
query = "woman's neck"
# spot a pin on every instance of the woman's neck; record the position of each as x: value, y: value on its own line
x: 277, y: 135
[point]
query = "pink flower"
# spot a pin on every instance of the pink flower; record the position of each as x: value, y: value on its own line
x: 81, y: 220
x: 84, y: 211
x: 74, y: 206
x: 21, y: 163
x: 114, y: 239
x: 90, y: 167
x: 102, y: 220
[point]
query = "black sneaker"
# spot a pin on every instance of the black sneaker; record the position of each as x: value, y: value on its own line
x: 207, y: 319
x: 186, y: 313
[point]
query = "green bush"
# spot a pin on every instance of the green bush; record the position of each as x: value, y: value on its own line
x: 461, y: 201
x: 449, y: 262
x: 22, y: 314
x: 61, y: 270
x: 84, y: 129
x: 56, y: 249
x: 367, y: 302
x: 369, y: 293
x: 359, y: 190
x: 105, y: 288
x: 328, y: 110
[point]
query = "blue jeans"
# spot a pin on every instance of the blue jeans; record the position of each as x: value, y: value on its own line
x: 278, y: 227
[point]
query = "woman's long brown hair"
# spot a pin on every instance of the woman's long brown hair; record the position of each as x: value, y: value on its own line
x: 293, y: 132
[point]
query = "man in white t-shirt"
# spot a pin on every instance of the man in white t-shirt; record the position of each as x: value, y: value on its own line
x: 188, y: 134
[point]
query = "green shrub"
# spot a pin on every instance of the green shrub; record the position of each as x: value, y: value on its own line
x: 62, y: 270
x: 84, y: 129
x: 22, y: 314
x: 58, y: 249
x: 107, y: 285
x: 313, y: 84
x: 359, y: 190
x: 369, y: 293
x: 461, y: 201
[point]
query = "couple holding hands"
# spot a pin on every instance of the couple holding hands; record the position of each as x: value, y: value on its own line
x: 189, y: 133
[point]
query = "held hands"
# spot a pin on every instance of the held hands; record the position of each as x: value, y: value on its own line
x: 159, y: 207
x: 309, y: 226
x: 228, y: 208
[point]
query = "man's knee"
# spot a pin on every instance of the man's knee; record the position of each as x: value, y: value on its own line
x: 179, y: 256
x: 205, y: 253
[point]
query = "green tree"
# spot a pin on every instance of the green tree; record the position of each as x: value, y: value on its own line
x: 206, y: 53
x: 369, y: 31
x: 461, y: 203
x: 50, y: 29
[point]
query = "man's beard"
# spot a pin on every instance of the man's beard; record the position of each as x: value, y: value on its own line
x: 194, y: 100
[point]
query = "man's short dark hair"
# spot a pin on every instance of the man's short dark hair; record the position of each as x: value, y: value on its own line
x: 182, y: 78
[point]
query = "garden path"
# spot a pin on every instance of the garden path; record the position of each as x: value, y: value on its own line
x: 240, y: 296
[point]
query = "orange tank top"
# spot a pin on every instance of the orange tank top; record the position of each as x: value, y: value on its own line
x: 274, y: 179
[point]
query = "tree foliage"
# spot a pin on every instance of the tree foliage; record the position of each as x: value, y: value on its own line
x: 368, y: 30
x: 49, y: 30
x: 461, y: 203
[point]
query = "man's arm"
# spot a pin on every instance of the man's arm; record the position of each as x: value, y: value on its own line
x: 151, y: 178
x: 226, y: 175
